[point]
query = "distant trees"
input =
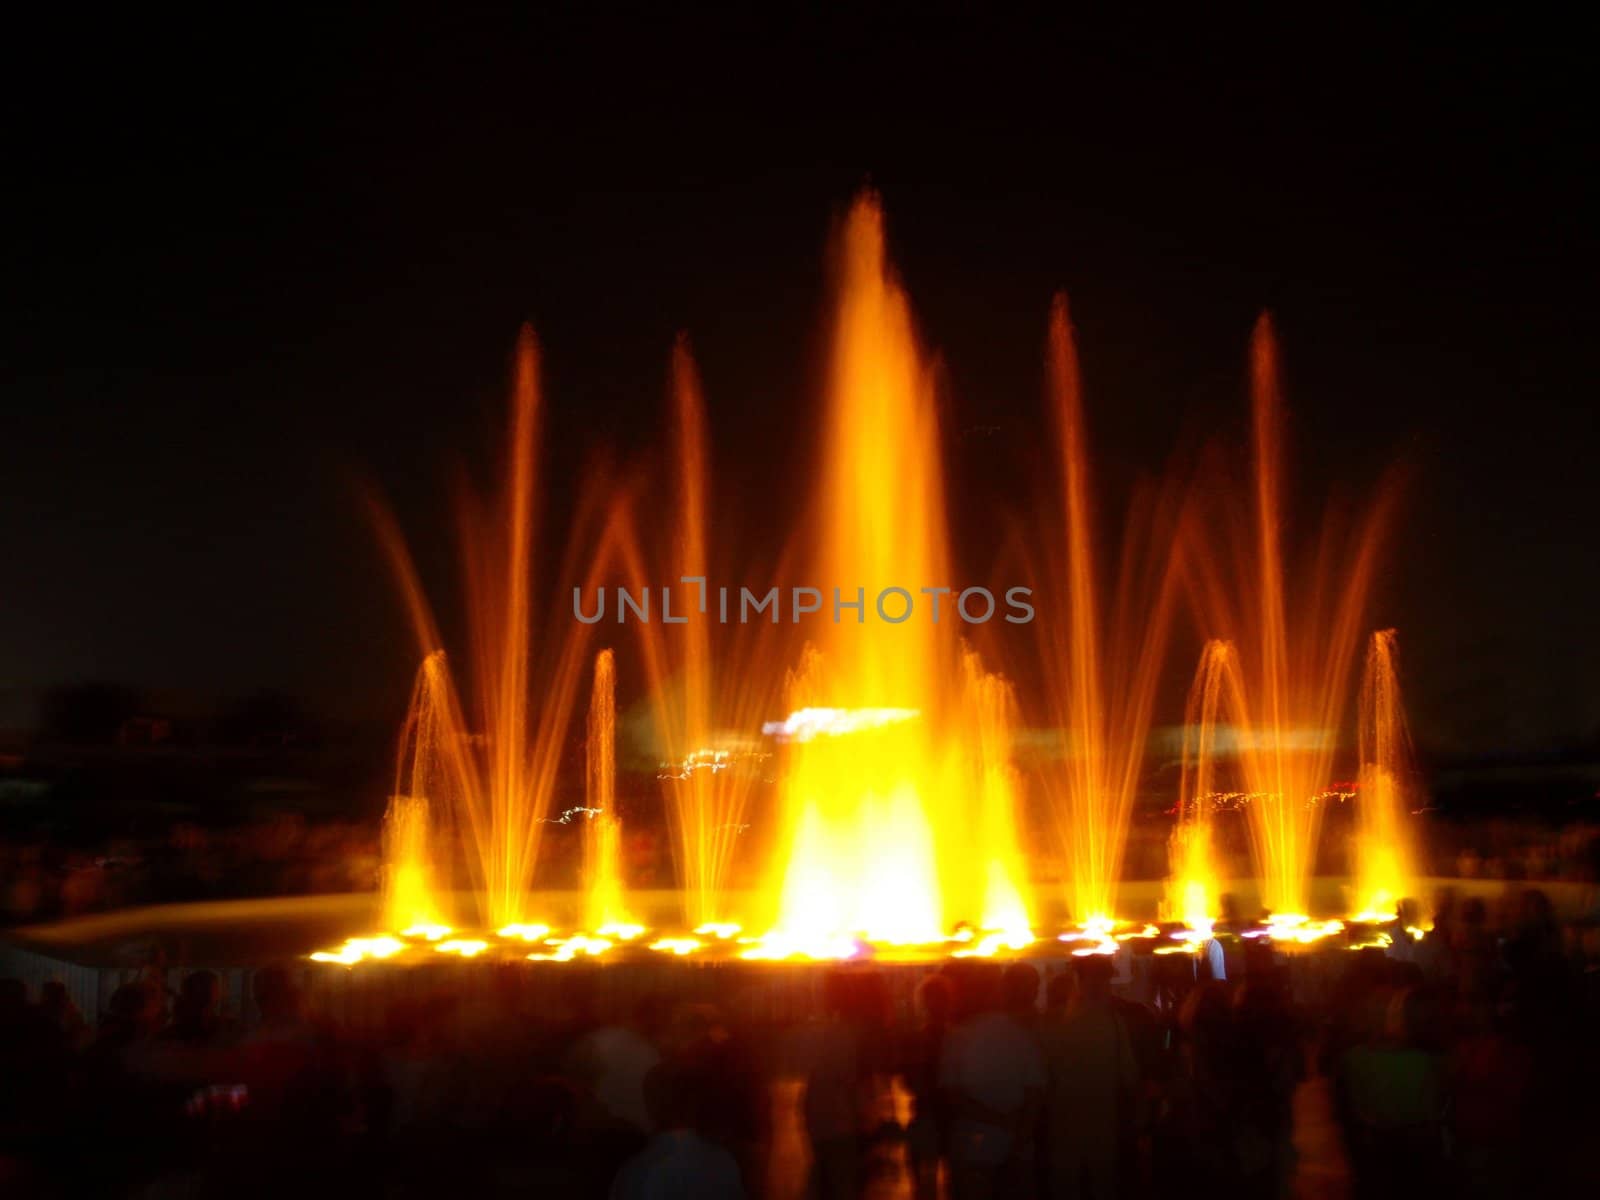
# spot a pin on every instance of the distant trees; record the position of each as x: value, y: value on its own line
x: 97, y: 713
x: 265, y: 718
x: 91, y: 714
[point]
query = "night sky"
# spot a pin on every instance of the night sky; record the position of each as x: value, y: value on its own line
x: 248, y: 267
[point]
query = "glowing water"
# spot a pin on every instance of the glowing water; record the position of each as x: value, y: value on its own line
x: 989, y: 716
x: 693, y: 696
x: 603, y: 904
x: 1294, y: 659
x: 898, y: 800
x: 1386, y: 870
x: 413, y: 869
x: 493, y: 777
x: 1196, y: 880
x: 410, y: 895
x: 865, y: 811
x: 1101, y: 673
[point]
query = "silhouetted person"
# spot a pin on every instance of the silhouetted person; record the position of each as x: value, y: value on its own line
x: 124, y: 1107
x: 928, y: 1134
x: 197, y: 1013
x: 33, y: 1059
x: 843, y: 1079
x: 613, y: 1061
x: 1091, y: 1076
x: 1491, y: 1076
x: 56, y: 1006
x: 993, y: 1079
x: 293, y: 1106
x: 1268, y: 1068
x: 1475, y: 954
x: 678, y: 1163
x: 1396, y: 1102
x: 1228, y: 919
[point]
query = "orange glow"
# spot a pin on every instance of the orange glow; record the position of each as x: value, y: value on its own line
x: 1101, y: 673
x: 1292, y: 656
x: 410, y: 897
x: 1300, y: 929
x: 355, y: 950
x: 677, y: 945
x: 689, y: 687
x: 493, y: 773
x: 1195, y: 882
x: 427, y: 932
x: 862, y: 853
x: 567, y: 949
x: 524, y: 933
x: 465, y: 947
x: 603, y: 903
x: 895, y: 813
x: 1385, y: 862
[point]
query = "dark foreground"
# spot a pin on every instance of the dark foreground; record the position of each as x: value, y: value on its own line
x: 1464, y: 1064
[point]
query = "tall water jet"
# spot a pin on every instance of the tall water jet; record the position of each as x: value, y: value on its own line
x: 866, y: 800
x: 603, y: 904
x: 1293, y: 676
x: 693, y: 695
x: 704, y: 840
x: 414, y: 863
x: 1386, y: 870
x: 494, y: 775
x: 1194, y: 883
x: 1101, y: 670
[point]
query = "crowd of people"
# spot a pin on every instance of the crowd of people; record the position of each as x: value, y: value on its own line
x: 1461, y: 1062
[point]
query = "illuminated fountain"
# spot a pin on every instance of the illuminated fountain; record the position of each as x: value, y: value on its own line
x: 1195, y: 887
x: 881, y: 749
x: 1386, y: 871
x: 1293, y: 634
x: 707, y: 701
x: 603, y: 907
x: 887, y: 840
x: 1101, y: 674
x: 478, y: 778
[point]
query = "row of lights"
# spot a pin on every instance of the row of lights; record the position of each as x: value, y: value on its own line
x: 1096, y: 936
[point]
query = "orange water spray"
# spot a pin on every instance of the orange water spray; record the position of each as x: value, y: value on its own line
x: 699, y: 689
x: 410, y: 898
x: 1195, y: 883
x: 879, y: 824
x: 1386, y: 870
x: 603, y: 905
x: 1294, y: 659
x: 492, y: 774
x: 1101, y: 668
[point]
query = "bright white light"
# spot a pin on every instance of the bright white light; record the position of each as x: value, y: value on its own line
x: 810, y: 723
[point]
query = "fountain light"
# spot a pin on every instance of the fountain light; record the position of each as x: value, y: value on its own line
x: 523, y: 933
x: 1299, y: 928
x: 465, y: 947
x: 776, y: 947
x: 356, y: 949
x: 897, y: 790
x: 427, y: 932
x: 567, y: 949
x: 679, y: 946
x: 989, y: 944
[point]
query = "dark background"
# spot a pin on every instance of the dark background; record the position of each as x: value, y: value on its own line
x: 250, y: 260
